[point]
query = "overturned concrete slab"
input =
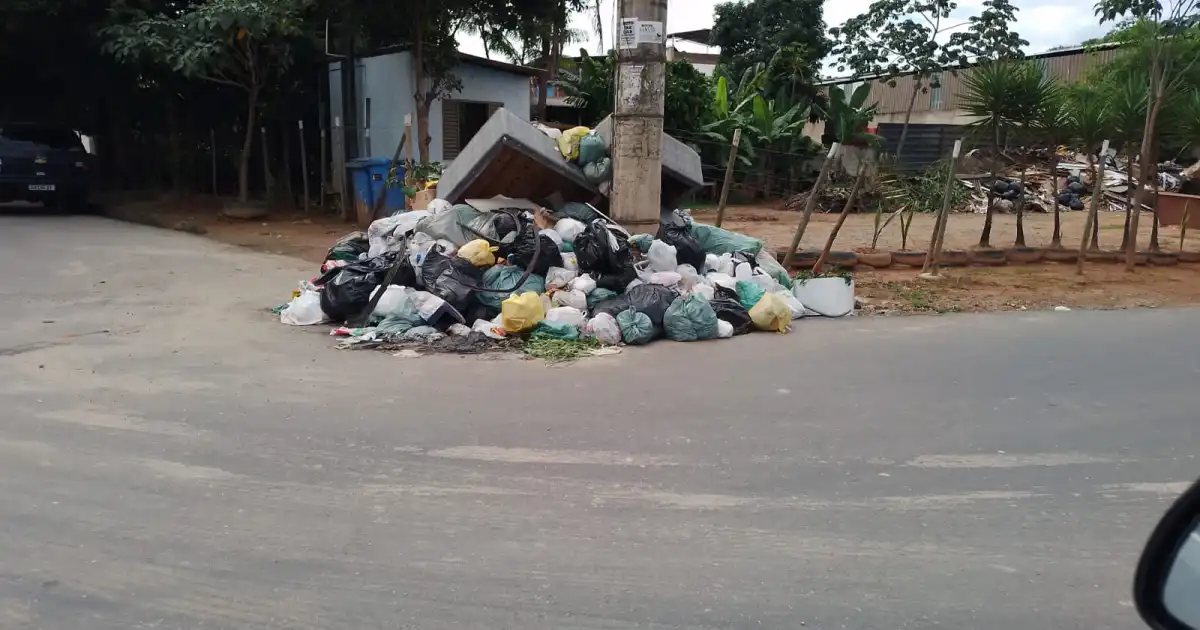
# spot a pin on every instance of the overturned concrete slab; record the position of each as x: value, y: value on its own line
x: 509, y: 156
x: 681, y: 171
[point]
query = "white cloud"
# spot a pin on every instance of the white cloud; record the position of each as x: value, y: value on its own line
x: 1044, y: 23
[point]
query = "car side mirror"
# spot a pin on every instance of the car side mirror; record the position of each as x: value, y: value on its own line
x: 1166, y: 587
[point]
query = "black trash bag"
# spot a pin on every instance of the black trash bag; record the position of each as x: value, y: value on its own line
x: 347, y: 290
x: 651, y: 299
x: 616, y: 281
x: 1074, y: 178
x: 579, y: 211
x: 520, y: 252
x: 1064, y: 198
x: 1000, y: 186
x: 349, y: 247
x: 731, y: 310
x: 450, y: 278
x: 505, y: 223
x: 678, y: 233
x: 1076, y: 203
x: 1077, y: 187
x: 601, y: 252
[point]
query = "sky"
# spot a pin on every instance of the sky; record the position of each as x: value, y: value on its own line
x: 1045, y: 23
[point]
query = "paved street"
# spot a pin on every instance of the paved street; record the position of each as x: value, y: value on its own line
x: 171, y: 457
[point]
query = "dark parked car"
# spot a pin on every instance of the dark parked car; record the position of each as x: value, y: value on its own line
x: 43, y: 163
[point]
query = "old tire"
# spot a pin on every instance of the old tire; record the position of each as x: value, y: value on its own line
x: 988, y: 257
x: 909, y: 259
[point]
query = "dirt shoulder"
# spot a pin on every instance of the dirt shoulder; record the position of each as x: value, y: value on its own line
x: 889, y: 291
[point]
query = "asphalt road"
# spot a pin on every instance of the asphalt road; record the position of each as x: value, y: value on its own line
x: 172, y: 457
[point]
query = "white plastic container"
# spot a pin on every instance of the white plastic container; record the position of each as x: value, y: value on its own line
x: 826, y: 297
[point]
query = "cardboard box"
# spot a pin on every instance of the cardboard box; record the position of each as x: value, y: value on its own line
x: 420, y: 201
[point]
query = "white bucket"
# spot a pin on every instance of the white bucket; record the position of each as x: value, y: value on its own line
x: 827, y: 297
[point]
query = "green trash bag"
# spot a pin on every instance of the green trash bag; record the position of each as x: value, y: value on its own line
x: 566, y: 248
x: 636, y: 328
x: 749, y: 293
x: 714, y: 240
x: 599, y: 295
x: 504, y: 277
x: 599, y: 171
x: 578, y: 211
x: 773, y: 268
x: 555, y: 330
x: 690, y: 318
x: 642, y: 242
x: 591, y: 150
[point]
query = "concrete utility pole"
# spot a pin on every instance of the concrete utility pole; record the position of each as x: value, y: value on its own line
x: 638, y: 114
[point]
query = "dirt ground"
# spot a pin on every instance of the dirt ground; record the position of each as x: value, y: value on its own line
x: 889, y: 291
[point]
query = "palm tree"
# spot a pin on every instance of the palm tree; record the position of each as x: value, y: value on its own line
x: 1127, y: 112
x: 1052, y: 125
x: 1089, y: 121
x: 1003, y: 96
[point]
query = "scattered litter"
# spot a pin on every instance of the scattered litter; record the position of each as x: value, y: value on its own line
x: 407, y: 353
x: 1062, y: 309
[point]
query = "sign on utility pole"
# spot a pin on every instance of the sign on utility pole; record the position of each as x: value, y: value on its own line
x: 638, y: 114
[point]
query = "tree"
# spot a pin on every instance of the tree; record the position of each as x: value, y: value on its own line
x: 988, y: 36
x: 1052, y: 126
x: 756, y: 31
x: 887, y: 41
x: 1162, y: 29
x: 1002, y: 96
x: 1089, y: 121
x: 242, y: 44
x: 590, y: 87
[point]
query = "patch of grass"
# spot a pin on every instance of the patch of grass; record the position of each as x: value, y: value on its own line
x: 559, y: 350
x: 918, y: 297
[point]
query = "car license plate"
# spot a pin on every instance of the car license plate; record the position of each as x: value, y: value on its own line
x: 42, y: 187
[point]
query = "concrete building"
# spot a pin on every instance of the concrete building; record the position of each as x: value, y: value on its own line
x: 385, y: 86
x: 937, y: 119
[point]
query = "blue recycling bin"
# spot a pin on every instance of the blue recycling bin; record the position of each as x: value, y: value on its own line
x: 368, y: 176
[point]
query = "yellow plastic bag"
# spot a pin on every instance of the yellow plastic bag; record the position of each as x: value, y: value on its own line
x: 479, y: 253
x: 568, y: 142
x: 522, y: 312
x: 771, y: 313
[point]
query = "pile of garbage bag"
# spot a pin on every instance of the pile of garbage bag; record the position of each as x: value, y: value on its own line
x: 569, y: 274
x: 586, y: 149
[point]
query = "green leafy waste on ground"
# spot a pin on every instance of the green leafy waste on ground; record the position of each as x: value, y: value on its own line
x: 560, y: 350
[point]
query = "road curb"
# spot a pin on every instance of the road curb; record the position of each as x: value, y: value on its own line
x: 151, y: 220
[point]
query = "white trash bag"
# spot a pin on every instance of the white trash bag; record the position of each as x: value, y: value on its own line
x: 569, y: 228
x: 303, y: 310
x: 584, y: 284
x: 566, y: 315
x: 394, y: 301
x: 724, y: 329
x: 722, y: 280
x: 573, y: 298
x: 604, y: 328
x: 559, y: 278
x: 662, y: 256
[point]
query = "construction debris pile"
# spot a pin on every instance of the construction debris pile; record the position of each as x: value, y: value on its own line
x: 493, y: 270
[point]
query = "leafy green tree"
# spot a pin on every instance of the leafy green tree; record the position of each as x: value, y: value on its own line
x: 1164, y: 35
x: 1002, y: 96
x: 895, y: 38
x: 589, y: 86
x: 243, y: 44
x: 989, y: 35
x: 786, y: 36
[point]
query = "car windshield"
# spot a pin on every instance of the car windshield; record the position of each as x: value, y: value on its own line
x: 44, y: 135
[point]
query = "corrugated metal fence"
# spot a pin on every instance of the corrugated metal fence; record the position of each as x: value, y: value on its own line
x: 925, y: 144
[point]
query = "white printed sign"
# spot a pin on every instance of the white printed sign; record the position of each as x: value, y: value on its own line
x: 627, y: 36
x: 635, y: 32
x: 650, y: 32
